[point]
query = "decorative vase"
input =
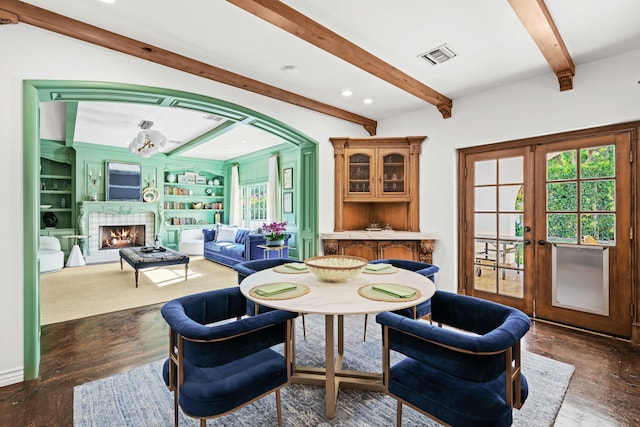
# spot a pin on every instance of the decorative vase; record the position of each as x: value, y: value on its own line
x: 50, y: 220
x: 171, y: 178
x: 275, y: 242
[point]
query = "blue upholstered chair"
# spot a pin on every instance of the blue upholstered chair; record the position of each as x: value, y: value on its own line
x: 214, y: 369
x: 467, y: 377
x: 247, y: 268
x: 428, y: 270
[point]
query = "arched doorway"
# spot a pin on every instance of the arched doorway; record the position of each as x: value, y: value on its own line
x: 36, y: 91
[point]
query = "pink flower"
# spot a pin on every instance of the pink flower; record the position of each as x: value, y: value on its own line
x: 275, y: 230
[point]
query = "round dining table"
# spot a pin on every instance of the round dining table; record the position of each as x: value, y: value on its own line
x: 337, y: 300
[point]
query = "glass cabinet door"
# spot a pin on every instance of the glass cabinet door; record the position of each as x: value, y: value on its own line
x: 393, y: 174
x: 359, y: 169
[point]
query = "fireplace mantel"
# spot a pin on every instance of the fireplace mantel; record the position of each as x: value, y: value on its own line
x: 117, y: 208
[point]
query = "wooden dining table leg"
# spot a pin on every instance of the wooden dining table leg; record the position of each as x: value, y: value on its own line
x: 330, y: 373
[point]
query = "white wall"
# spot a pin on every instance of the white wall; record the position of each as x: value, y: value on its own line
x: 30, y: 53
x: 605, y: 92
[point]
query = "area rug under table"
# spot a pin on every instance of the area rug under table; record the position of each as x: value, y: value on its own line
x: 139, y: 397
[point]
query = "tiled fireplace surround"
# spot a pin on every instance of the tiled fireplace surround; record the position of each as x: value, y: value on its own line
x: 95, y: 214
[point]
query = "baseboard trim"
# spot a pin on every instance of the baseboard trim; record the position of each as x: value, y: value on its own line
x: 575, y: 328
x: 11, y: 377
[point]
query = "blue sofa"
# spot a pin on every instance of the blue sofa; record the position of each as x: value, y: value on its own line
x: 245, y: 247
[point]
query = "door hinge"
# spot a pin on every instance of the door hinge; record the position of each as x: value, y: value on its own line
x: 630, y: 156
x: 633, y: 309
x: 465, y: 226
x: 465, y: 172
x: 631, y: 233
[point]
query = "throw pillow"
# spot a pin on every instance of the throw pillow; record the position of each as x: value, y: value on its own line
x: 226, y: 234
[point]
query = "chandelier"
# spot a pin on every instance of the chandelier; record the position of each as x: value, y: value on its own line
x: 148, y: 141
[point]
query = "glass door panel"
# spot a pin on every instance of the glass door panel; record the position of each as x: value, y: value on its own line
x: 359, y: 173
x: 393, y: 173
x: 498, y: 227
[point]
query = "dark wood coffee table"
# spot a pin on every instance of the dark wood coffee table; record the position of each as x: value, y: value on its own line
x: 140, y: 258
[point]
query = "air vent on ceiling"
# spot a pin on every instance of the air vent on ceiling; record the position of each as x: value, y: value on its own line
x: 213, y: 117
x: 438, y: 55
x: 145, y: 124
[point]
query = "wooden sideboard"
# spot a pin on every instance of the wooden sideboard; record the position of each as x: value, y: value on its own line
x: 416, y: 246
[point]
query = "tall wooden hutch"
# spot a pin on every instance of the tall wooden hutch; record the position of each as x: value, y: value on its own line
x: 377, y: 185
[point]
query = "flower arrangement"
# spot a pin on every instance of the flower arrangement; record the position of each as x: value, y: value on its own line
x: 275, y: 230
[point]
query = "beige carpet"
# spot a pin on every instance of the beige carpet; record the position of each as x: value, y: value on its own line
x: 77, y: 292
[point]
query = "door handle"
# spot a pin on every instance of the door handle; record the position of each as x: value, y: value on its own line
x: 527, y: 228
x: 526, y: 241
x: 541, y: 242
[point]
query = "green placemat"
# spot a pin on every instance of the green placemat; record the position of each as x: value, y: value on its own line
x: 388, y: 270
x: 368, y: 291
x: 289, y: 270
x: 298, y: 291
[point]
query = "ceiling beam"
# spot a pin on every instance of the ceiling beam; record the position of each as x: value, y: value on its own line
x: 537, y: 20
x: 61, y: 24
x: 292, y: 21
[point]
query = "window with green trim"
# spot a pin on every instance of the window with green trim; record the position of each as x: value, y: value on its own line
x: 254, y: 205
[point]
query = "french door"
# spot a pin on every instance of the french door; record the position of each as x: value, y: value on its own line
x: 546, y: 228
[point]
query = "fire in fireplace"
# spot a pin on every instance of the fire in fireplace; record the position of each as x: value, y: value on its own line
x: 121, y: 236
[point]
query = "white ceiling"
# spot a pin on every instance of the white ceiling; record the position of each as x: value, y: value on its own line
x: 492, y: 45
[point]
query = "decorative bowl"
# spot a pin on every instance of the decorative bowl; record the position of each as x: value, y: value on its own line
x: 197, y: 205
x: 336, y: 268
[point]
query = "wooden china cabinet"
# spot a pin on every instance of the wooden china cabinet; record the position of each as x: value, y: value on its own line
x: 377, y: 206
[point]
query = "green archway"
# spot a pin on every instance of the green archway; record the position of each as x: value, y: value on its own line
x: 36, y: 91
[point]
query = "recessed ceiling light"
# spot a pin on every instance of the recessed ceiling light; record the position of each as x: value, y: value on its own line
x: 367, y: 100
x: 108, y: 1
x: 347, y: 92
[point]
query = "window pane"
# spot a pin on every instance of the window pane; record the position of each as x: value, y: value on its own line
x: 598, y: 162
x: 510, y: 225
x: 599, y: 227
x: 598, y: 195
x: 485, y: 172
x: 562, y: 228
x: 562, y: 196
x: 511, y: 197
x: 562, y: 165
x: 485, y: 225
x: 510, y: 170
x: 485, y: 199
x: 254, y: 204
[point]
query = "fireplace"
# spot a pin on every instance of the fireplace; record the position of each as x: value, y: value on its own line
x: 121, y: 236
x: 94, y: 215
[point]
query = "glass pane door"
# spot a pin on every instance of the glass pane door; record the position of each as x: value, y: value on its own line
x: 498, y: 221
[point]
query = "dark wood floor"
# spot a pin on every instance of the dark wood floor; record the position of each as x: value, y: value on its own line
x: 604, y: 389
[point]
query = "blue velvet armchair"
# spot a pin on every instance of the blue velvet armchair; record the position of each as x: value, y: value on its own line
x: 428, y: 270
x: 468, y: 376
x: 214, y: 369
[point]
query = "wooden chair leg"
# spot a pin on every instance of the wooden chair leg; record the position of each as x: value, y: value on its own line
x: 279, y: 407
x: 175, y: 406
x: 203, y: 422
x: 399, y: 415
x: 364, y: 337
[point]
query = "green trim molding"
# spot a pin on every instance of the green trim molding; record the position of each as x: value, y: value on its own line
x: 72, y: 92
